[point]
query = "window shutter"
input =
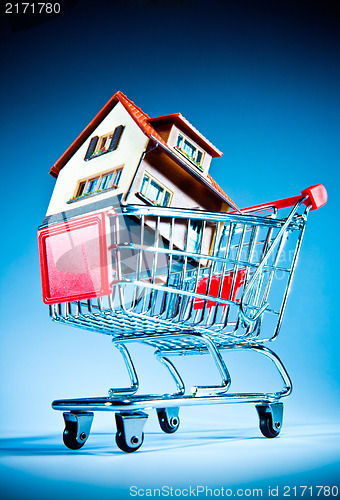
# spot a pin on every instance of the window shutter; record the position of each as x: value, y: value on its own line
x: 117, y: 134
x: 92, y: 145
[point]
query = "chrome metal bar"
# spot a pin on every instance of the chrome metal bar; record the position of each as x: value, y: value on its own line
x: 289, y: 284
x: 152, y: 302
x: 273, y: 269
x: 195, y: 256
x: 180, y: 213
x: 223, y: 370
x: 173, y: 371
x: 287, y: 383
x: 263, y: 261
x: 139, y: 259
x: 178, y: 299
x: 148, y: 401
x: 225, y: 314
x: 131, y: 371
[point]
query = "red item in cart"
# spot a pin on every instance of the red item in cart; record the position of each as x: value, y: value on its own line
x: 215, y: 286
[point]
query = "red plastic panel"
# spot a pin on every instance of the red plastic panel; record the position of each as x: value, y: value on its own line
x: 75, y: 261
x: 215, y: 285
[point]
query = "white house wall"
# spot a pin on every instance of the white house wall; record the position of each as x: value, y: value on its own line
x: 131, y: 146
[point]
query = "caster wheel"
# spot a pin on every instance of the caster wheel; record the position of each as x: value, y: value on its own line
x: 268, y: 429
x: 270, y: 419
x: 130, y: 436
x: 77, y: 429
x: 167, y: 422
x: 124, y: 446
x: 70, y: 437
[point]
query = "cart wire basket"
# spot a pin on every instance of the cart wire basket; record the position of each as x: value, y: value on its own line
x: 183, y: 282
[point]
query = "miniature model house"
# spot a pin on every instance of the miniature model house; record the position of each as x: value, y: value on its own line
x: 123, y: 157
x: 161, y: 161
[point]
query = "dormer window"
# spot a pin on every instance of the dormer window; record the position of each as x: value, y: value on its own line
x: 100, y: 145
x: 187, y: 149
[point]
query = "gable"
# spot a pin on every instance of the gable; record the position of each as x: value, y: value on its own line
x: 80, y: 167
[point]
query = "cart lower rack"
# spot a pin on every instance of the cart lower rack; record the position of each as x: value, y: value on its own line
x: 183, y: 282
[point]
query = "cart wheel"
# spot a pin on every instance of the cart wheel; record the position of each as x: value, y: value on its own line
x: 130, y: 436
x: 270, y: 417
x: 77, y: 429
x: 70, y: 437
x: 124, y: 446
x: 168, y: 419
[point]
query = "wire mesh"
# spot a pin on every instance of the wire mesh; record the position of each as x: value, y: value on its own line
x: 180, y: 273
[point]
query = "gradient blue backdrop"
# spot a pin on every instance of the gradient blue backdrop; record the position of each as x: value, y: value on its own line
x: 260, y: 79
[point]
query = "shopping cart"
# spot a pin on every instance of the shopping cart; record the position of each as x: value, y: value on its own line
x: 183, y: 282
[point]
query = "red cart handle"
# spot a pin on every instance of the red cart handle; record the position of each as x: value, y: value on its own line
x: 316, y: 198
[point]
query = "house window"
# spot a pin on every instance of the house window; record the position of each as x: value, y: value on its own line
x: 190, y: 151
x: 155, y: 192
x: 81, y: 188
x: 105, y: 181
x: 100, y: 145
x: 97, y: 184
x: 110, y: 179
x: 91, y: 185
x: 103, y: 142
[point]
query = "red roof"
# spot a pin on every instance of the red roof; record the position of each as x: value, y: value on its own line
x: 219, y: 189
x: 141, y: 118
x: 144, y: 123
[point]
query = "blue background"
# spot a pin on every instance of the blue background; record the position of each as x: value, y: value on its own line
x: 260, y: 80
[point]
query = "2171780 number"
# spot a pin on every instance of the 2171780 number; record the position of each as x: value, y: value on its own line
x: 310, y: 491
x: 32, y: 8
